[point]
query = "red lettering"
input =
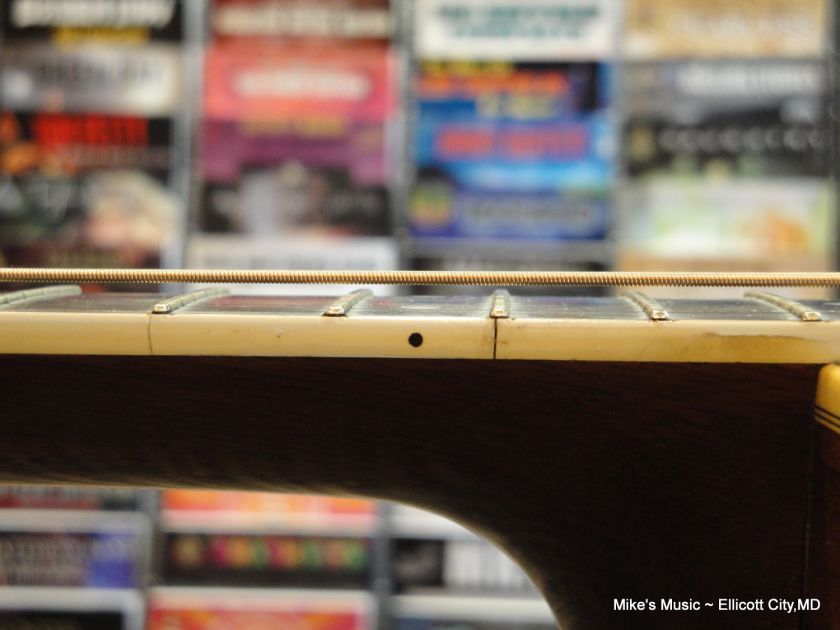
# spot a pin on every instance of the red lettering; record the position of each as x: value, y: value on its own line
x: 533, y: 143
x: 54, y: 130
x: 453, y: 143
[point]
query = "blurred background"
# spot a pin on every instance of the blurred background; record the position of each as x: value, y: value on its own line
x: 368, y: 134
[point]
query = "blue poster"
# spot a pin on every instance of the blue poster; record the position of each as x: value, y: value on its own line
x: 512, y: 151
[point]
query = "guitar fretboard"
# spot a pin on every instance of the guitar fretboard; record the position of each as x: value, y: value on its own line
x: 759, y: 327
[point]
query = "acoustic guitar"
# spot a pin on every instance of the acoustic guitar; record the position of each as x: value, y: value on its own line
x: 650, y: 464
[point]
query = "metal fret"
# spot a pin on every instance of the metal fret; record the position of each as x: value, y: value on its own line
x: 44, y: 293
x: 500, y: 309
x: 650, y: 307
x: 805, y: 313
x: 174, y: 303
x: 342, y: 305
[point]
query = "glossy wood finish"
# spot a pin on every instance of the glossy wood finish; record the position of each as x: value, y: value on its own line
x: 605, y: 480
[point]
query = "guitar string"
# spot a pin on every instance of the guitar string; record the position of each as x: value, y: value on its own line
x: 486, y: 278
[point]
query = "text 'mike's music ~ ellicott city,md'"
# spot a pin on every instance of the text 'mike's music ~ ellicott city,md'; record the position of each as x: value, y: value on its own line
x: 724, y: 604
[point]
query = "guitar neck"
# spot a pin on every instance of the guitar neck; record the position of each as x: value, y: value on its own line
x: 635, y: 449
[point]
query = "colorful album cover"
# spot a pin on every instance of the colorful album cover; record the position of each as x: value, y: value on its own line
x: 256, y: 559
x: 526, y: 30
x: 511, y: 150
x: 303, y: 21
x: 294, y: 142
x: 656, y: 29
x: 240, y: 609
x: 106, y: 558
x: 69, y: 498
x: 85, y: 190
x: 69, y: 22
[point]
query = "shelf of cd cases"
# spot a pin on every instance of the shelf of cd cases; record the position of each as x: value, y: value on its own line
x: 83, y: 549
x: 97, y: 125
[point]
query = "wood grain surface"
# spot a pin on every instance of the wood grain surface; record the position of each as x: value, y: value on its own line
x: 605, y: 481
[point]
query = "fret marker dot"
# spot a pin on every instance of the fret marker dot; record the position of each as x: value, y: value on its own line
x: 415, y: 339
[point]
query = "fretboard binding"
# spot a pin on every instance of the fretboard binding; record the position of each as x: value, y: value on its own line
x: 341, y: 307
x: 500, y: 307
x: 804, y: 313
x: 650, y: 307
x: 43, y: 293
x: 827, y: 419
x: 173, y: 304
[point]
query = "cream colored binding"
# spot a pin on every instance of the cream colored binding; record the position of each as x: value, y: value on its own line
x: 304, y: 336
x: 74, y: 333
x: 696, y: 341
x: 827, y: 409
x: 35, y: 332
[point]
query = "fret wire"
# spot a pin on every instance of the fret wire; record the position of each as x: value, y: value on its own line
x: 486, y: 278
x: 650, y: 307
x: 342, y: 305
x: 44, y: 293
x: 177, y: 301
x: 805, y: 313
x: 500, y: 307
